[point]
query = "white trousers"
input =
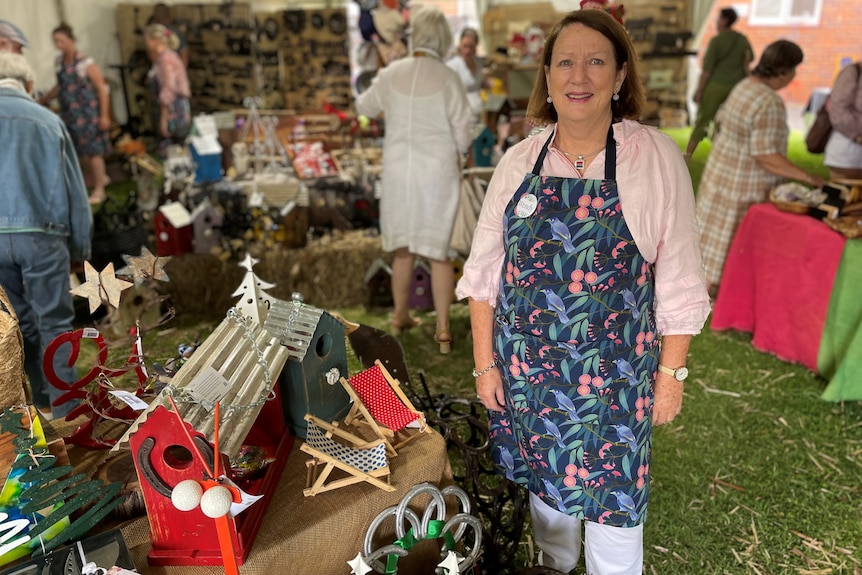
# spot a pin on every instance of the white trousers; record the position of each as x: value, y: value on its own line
x: 607, y: 550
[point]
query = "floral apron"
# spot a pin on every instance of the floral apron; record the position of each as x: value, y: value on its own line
x: 575, y: 332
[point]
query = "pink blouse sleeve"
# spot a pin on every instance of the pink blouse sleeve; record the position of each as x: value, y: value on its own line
x: 681, y: 299
x: 843, y: 112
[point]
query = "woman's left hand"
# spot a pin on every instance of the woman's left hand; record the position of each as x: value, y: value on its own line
x: 163, y: 128
x: 104, y: 123
x: 667, y: 402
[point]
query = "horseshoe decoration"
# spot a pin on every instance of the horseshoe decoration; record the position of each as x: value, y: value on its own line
x: 144, y: 458
x: 428, y: 526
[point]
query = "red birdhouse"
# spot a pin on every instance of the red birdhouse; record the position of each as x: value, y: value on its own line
x: 174, y: 231
x: 163, y: 458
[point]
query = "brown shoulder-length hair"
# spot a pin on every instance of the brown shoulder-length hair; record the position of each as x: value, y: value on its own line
x: 631, y: 101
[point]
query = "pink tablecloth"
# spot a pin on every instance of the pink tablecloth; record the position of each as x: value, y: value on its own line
x: 777, y: 282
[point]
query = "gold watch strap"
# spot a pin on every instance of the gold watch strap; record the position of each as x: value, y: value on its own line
x: 667, y: 370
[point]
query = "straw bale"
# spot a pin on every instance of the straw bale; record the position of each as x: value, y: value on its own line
x: 12, y: 382
x: 328, y: 272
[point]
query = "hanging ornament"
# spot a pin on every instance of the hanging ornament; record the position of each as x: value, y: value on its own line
x: 144, y: 267
x: 101, y: 287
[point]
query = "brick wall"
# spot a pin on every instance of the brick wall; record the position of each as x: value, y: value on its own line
x: 835, y: 39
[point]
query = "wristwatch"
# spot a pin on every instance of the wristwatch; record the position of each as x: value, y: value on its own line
x: 678, y: 374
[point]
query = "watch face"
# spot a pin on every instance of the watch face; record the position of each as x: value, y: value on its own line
x: 681, y: 374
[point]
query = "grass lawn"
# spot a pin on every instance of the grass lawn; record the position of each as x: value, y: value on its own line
x: 757, y: 476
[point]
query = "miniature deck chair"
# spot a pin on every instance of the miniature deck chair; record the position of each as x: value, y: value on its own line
x: 379, y: 403
x: 360, y: 459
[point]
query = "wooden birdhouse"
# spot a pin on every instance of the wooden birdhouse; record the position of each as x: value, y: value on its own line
x: 420, y: 287
x: 243, y: 361
x: 315, y: 343
x: 173, y: 226
x: 378, y: 278
x: 206, y: 226
x: 482, y: 147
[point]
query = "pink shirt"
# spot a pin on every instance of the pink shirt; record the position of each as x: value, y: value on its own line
x: 657, y: 201
x: 172, y: 78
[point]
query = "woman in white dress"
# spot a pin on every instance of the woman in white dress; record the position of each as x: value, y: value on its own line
x: 428, y: 125
x: 469, y: 68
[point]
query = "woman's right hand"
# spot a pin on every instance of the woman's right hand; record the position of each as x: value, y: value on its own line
x: 489, y: 388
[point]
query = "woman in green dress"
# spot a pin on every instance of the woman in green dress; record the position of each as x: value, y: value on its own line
x: 726, y: 63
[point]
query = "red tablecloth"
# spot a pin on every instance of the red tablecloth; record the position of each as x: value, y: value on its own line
x: 777, y: 281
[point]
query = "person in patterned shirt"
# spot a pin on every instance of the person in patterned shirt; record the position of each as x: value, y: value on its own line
x: 169, y: 87
x: 749, y: 155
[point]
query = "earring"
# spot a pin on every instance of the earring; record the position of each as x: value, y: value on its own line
x: 548, y: 99
x: 616, y: 96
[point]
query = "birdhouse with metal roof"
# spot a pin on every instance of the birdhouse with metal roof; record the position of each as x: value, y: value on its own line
x: 317, y: 358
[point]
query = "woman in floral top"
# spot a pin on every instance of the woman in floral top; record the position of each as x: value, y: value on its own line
x: 84, y: 108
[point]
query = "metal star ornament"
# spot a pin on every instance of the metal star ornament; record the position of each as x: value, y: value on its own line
x: 101, y: 287
x: 450, y: 564
x: 144, y: 267
x: 358, y: 565
x: 248, y: 262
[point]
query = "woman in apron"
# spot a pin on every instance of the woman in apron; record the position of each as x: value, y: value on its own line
x: 576, y: 269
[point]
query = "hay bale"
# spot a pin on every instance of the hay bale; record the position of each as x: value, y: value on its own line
x: 12, y: 381
x: 329, y: 273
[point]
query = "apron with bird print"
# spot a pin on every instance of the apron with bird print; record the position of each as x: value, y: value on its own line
x: 576, y: 339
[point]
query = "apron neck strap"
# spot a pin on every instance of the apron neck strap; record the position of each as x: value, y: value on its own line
x: 610, y: 155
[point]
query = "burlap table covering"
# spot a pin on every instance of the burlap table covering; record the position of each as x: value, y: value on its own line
x: 312, y: 535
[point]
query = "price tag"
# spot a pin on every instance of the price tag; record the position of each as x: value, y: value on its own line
x: 247, y: 499
x: 130, y: 399
x: 256, y: 199
x: 208, y: 387
x: 90, y: 333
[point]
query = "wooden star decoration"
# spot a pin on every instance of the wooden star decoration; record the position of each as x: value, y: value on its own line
x: 101, y: 288
x: 145, y: 266
x: 359, y: 566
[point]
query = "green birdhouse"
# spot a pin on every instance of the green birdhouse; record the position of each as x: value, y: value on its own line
x: 318, y: 358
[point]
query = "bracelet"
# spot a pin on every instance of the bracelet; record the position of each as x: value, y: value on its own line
x: 486, y: 370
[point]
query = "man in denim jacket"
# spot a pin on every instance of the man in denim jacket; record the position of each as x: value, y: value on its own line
x: 45, y: 224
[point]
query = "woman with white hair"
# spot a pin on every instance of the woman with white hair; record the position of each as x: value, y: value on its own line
x: 428, y: 126
x: 169, y: 86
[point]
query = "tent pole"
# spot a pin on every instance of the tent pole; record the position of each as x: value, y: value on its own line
x: 61, y: 10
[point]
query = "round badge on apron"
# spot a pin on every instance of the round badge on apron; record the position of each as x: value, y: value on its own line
x: 526, y: 205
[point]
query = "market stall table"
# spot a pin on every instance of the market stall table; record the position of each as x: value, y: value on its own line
x: 313, y: 534
x: 794, y: 283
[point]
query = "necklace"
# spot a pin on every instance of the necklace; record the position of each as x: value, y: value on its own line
x: 579, y: 162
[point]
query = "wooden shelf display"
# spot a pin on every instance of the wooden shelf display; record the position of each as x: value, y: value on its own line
x: 660, y: 32
x: 294, y: 58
